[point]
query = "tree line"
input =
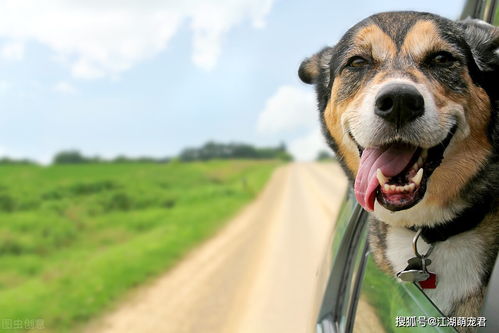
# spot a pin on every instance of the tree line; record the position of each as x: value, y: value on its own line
x: 75, y: 157
x: 214, y: 150
x: 208, y: 151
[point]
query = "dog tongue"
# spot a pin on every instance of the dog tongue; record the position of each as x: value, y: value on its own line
x: 391, y: 159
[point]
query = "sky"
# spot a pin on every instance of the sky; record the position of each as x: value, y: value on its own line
x: 149, y: 78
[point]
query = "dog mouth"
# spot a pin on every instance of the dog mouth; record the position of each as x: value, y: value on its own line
x: 396, y: 174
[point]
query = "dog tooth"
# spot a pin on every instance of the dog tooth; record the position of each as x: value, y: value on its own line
x: 407, y: 187
x: 382, y: 179
x: 417, y: 178
x: 400, y: 188
x: 412, y: 187
x: 415, y: 166
x: 420, y: 161
x: 386, y: 187
x: 392, y: 187
x: 424, y: 154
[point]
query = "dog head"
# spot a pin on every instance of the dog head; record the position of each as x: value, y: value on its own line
x: 406, y: 103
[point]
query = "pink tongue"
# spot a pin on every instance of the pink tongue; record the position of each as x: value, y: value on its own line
x: 390, y: 159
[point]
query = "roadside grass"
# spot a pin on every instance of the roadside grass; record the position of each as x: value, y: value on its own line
x: 74, y: 238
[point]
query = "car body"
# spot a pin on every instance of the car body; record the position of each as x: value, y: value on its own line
x: 361, y: 298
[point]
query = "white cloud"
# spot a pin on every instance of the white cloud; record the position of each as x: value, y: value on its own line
x: 65, y: 88
x: 289, y: 108
x: 12, y: 51
x: 210, y: 22
x: 104, y: 38
x: 290, y: 112
x: 307, y: 147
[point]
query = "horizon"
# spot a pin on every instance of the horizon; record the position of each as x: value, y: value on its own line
x: 155, y: 159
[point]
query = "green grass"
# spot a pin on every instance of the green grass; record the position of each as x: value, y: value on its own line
x: 74, y: 238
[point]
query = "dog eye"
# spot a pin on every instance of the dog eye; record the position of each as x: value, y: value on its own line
x: 357, y: 62
x: 442, y: 59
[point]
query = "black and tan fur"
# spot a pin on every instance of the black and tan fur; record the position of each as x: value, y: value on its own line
x: 465, y: 186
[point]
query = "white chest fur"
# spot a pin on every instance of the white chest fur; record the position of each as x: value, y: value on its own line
x: 456, y: 261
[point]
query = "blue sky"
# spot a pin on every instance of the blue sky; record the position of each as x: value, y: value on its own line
x: 150, y: 78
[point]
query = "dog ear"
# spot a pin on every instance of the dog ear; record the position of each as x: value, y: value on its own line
x: 310, y: 68
x: 483, y: 39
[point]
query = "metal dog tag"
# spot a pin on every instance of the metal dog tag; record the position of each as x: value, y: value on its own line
x: 415, y: 271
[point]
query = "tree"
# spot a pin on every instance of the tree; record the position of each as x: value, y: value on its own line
x: 214, y: 150
x: 69, y: 157
x: 13, y: 161
x: 324, y: 156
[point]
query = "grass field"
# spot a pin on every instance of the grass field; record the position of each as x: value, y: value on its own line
x: 74, y: 238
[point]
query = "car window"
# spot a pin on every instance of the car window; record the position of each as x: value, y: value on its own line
x: 352, y: 287
x: 386, y: 305
x: 348, y: 257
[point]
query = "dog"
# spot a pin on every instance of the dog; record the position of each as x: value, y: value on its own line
x: 408, y: 101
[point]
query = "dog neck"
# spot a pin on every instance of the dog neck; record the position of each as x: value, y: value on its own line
x: 439, y: 224
x: 464, y: 221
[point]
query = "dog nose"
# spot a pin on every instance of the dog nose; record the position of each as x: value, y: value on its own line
x: 399, y: 104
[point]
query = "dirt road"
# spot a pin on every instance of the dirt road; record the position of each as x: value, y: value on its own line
x: 262, y: 273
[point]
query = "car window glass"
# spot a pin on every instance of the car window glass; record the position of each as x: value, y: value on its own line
x: 386, y: 305
x: 351, y: 288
